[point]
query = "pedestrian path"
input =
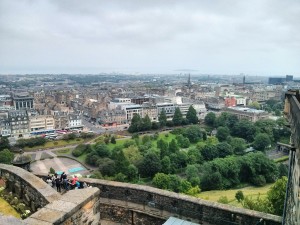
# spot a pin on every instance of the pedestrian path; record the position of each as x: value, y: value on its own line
x: 38, y: 155
x: 51, y: 153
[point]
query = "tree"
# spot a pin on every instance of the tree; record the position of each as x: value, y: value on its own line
x: 102, y: 150
x: 231, y: 120
x: 164, y: 147
x: 107, y: 166
x: 276, y: 195
x: 244, y: 129
x: 146, y: 123
x: 222, y: 119
x: 177, y: 118
x: 161, y: 181
x: 261, y: 142
x: 209, y: 152
x: 239, y: 195
x: 191, y: 115
x: 183, y: 142
x: 4, y: 143
x: 136, y: 124
x: 277, y: 112
x: 222, y: 133
x: 6, y: 156
x: 162, y: 118
x: 266, y: 126
x: 238, y: 145
x: 224, y: 149
x: 150, y: 165
x: 173, y: 146
x: 254, y: 105
x: 133, y: 154
x: 193, y: 133
x: 132, y: 172
x: 192, y: 172
x: 113, y: 140
x: 210, y: 119
x: 166, y: 165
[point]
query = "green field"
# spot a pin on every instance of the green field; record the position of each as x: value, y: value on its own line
x: 250, y: 191
x: 7, y: 210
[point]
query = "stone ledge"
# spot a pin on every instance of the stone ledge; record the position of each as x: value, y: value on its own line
x: 32, y: 181
x: 158, y: 193
x: 60, y: 210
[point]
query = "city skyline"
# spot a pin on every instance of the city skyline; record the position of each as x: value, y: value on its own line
x: 232, y: 37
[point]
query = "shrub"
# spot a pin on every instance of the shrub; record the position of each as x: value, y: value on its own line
x: 239, y: 195
x: 223, y: 200
x: 52, y: 171
x: 259, y: 180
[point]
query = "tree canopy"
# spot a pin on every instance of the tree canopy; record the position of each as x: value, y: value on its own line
x: 191, y: 115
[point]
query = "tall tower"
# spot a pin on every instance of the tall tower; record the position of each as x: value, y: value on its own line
x: 189, y: 82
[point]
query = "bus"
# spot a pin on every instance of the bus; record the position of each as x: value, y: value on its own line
x: 42, y: 132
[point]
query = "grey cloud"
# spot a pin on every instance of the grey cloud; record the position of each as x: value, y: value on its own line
x: 210, y: 36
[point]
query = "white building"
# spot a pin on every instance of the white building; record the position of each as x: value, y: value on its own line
x: 74, y: 121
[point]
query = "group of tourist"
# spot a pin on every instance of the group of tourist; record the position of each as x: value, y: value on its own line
x: 62, y: 182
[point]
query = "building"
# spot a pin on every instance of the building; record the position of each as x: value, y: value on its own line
x: 247, y: 113
x: 6, y: 102
x: 111, y: 117
x: 230, y: 101
x: 140, y: 100
x: 19, y: 122
x: 150, y: 110
x: 61, y: 120
x: 277, y: 80
x: 169, y: 109
x: 5, y: 129
x: 41, y: 122
x: 132, y: 109
x: 74, y: 121
x: 22, y: 101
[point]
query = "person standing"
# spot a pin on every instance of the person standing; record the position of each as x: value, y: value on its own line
x: 58, y: 183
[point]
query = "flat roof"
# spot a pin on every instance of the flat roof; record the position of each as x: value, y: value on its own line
x: 176, y: 221
x: 246, y: 109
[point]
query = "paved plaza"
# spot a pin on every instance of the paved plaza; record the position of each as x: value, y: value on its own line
x: 66, y: 165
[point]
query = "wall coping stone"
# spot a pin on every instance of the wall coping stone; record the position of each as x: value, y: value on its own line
x: 33, y: 181
x: 58, y: 211
x: 183, y: 197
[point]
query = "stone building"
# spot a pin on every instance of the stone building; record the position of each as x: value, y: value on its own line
x: 247, y: 113
x: 23, y: 101
x: 111, y: 117
x: 41, y: 122
x: 19, y: 122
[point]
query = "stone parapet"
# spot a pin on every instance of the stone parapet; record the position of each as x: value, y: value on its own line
x: 162, y: 204
x: 26, y: 186
x: 76, y: 207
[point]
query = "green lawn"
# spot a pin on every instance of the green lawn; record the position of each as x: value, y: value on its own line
x: 250, y: 191
x: 55, y: 143
x: 7, y: 210
x: 82, y: 158
x: 65, y: 151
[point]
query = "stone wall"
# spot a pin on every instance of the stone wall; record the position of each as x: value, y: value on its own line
x: 26, y: 186
x: 291, y: 215
x: 76, y: 207
x: 120, y: 200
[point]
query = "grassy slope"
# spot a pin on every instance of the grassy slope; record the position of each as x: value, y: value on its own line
x: 249, y: 191
x: 6, y: 209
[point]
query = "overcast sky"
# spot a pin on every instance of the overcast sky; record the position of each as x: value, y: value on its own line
x: 256, y: 37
